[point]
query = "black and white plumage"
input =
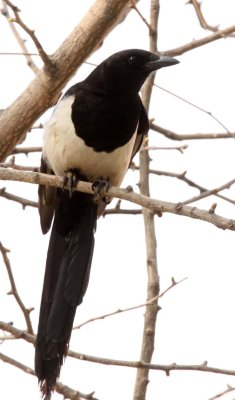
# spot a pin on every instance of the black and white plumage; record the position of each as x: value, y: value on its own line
x: 96, y: 129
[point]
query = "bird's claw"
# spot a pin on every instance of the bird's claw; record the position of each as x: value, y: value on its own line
x: 100, y: 188
x: 70, y: 181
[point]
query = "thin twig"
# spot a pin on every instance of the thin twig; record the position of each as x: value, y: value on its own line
x: 190, y: 136
x: 133, y: 5
x: 11, y: 164
x: 123, y: 310
x: 182, y: 176
x: 194, y: 44
x: 195, y: 106
x: 197, y: 6
x: 221, y: 394
x: 26, y: 311
x: 45, y: 58
x: 21, y: 200
x: 122, y: 211
x: 20, y: 41
x: 208, y: 193
x: 27, y: 150
x: 178, y: 148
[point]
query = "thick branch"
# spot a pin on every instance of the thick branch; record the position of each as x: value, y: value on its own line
x: 45, y: 89
x: 156, y: 206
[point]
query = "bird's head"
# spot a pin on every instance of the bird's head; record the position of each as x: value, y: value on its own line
x: 127, y: 70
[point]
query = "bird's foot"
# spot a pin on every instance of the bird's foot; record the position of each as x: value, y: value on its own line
x: 100, y: 188
x: 71, y: 178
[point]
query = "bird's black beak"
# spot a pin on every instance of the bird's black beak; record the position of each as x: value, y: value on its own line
x: 162, y: 61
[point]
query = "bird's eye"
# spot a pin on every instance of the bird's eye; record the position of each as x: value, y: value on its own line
x: 132, y: 60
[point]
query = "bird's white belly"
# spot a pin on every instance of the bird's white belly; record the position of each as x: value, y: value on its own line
x: 64, y: 150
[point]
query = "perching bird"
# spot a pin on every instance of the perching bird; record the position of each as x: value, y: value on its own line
x: 94, y: 132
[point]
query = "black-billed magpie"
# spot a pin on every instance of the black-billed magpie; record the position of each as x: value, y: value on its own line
x: 94, y: 132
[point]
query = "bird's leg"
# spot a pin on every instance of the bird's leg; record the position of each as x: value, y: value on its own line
x: 100, y: 187
x: 71, y: 178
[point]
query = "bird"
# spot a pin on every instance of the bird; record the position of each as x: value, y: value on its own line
x: 94, y: 132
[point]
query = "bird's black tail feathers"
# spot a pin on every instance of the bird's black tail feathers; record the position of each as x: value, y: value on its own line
x: 65, y: 282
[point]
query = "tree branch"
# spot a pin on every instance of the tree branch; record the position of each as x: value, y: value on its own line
x: 221, y: 394
x: 119, y: 311
x: 208, y: 193
x: 45, y: 58
x: 26, y: 311
x: 167, y: 368
x: 182, y: 177
x: 201, y: 19
x: 155, y: 206
x: 19, y: 39
x: 190, y: 136
x: 24, y: 202
x: 66, y: 391
x: 153, y: 287
x: 199, y: 42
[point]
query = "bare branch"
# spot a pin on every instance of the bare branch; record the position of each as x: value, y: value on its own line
x: 167, y: 368
x: 119, y: 311
x: 182, y: 176
x: 178, y: 148
x: 155, y: 206
x: 24, y: 202
x: 11, y: 164
x: 153, y: 286
x: 27, y: 150
x: 26, y: 311
x: 133, y: 5
x: 201, y: 19
x: 209, y: 193
x: 66, y: 391
x: 220, y: 34
x: 20, y: 41
x: 17, y: 54
x: 114, y: 211
x: 221, y: 394
x: 190, y: 136
x: 45, y: 58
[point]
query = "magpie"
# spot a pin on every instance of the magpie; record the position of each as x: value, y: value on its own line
x: 93, y: 134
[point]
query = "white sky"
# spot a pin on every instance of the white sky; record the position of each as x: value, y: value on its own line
x: 197, y: 320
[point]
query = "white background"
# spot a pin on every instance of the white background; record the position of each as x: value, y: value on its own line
x: 197, y: 320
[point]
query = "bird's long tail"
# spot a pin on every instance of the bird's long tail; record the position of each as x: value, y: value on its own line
x: 65, y: 282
